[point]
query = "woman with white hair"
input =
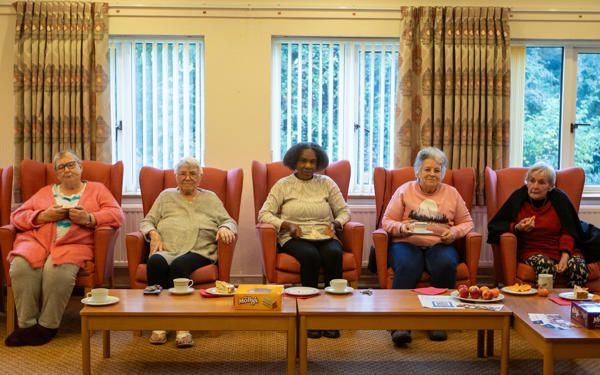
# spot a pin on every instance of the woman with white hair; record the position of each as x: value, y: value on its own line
x: 447, y: 219
x: 546, y: 240
x: 183, y: 227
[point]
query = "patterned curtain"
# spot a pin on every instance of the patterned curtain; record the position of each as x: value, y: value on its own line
x: 454, y: 86
x: 61, y: 81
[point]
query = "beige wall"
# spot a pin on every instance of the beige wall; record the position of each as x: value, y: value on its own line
x: 238, y: 59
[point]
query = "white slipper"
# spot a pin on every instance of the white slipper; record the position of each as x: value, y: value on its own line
x: 184, y: 339
x: 161, y: 337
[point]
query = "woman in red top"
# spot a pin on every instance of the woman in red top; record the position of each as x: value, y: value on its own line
x: 542, y: 241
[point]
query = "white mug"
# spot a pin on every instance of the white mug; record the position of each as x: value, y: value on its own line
x: 419, y: 226
x: 339, y: 285
x: 98, y: 295
x: 182, y: 284
x: 546, y: 281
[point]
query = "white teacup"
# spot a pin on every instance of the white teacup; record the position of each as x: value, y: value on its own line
x: 182, y: 284
x: 339, y: 285
x: 419, y: 226
x: 98, y: 295
x: 546, y: 281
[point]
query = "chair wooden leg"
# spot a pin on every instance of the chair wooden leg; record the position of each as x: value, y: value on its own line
x: 137, y: 333
x: 11, y: 311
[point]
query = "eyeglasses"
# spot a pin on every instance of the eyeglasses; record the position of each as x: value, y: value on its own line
x: 69, y: 165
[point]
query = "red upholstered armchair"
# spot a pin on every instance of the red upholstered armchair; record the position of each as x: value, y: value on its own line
x: 282, y: 268
x: 499, y: 185
x: 227, y: 185
x: 35, y: 175
x: 386, y: 182
x: 6, y: 178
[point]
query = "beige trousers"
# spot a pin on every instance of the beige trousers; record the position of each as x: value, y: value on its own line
x: 53, y: 283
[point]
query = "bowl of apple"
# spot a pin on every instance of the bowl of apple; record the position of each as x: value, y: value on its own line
x: 477, y: 294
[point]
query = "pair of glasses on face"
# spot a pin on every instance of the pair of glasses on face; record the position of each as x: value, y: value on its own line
x: 70, y: 165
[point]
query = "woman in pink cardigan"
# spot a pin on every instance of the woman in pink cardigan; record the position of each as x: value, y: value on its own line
x: 442, y: 218
x: 57, y: 237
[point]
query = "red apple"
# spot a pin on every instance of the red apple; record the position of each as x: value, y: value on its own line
x: 463, y: 292
x: 463, y: 286
x: 475, y: 293
x: 487, y: 294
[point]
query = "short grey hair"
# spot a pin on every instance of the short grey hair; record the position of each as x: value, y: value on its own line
x: 544, y: 167
x: 189, y: 162
x: 62, y: 154
x: 431, y: 153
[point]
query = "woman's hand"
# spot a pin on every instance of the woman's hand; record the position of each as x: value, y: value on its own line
x: 525, y: 225
x: 447, y: 237
x: 562, y: 265
x: 225, y: 234
x: 294, y: 229
x: 156, y: 243
x: 51, y: 214
x: 404, y: 230
x: 79, y: 215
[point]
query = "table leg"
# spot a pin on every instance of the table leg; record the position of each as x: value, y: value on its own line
x: 302, y: 339
x: 291, y: 346
x: 85, y: 346
x: 490, y: 343
x: 505, y: 346
x: 106, y: 343
x: 548, y: 360
x: 480, y: 343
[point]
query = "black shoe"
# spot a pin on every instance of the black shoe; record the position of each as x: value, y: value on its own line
x: 314, y: 333
x: 437, y: 335
x: 401, y: 337
x: 15, y: 338
x: 38, y: 335
x: 331, y: 333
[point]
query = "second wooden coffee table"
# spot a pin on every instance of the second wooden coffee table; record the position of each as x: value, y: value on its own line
x: 393, y: 309
x: 189, y: 312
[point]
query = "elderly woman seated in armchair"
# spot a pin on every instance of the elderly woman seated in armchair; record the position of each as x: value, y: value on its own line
x: 183, y: 227
x: 57, y: 237
x: 546, y: 225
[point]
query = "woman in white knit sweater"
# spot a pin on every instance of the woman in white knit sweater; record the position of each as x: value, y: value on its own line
x: 306, y: 209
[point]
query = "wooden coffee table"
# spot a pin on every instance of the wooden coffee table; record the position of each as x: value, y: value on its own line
x: 393, y: 309
x: 136, y: 312
x: 552, y: 343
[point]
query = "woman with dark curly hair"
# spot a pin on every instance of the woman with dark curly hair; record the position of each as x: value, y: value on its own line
x: 300, y: 206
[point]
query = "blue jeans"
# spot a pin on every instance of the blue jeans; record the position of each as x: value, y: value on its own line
x: 409, y: 261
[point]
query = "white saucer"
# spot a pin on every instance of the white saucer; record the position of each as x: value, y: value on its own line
x: 423, y: 232
x: 109, y: 301
x: 188, y: 291
x: 301, y: 291
x: 214, y: 291
x: 348, y: 289
x: 571, y: 296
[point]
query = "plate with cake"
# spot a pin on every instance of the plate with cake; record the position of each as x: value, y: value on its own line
x: 222, y: 288
x: 578, y: 294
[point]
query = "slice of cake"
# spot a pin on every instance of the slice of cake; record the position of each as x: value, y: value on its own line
x: 224, y: 287
x: 580, y: 293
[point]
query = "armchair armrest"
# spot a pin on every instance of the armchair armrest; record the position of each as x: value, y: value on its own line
x: 137, y: 250
x: 225, y: 254
x: 352, y: 238
x: 508, y: 256
x: 472, y: 253
x: 7, y: 238
x: 267, y: 236
x: 104, y: 240
x: 381, y: 241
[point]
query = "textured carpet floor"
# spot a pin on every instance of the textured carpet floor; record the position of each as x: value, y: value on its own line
x: 356, y: 352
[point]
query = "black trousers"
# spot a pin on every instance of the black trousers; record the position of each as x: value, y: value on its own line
x: 158, y: 271
x: 312, y: 255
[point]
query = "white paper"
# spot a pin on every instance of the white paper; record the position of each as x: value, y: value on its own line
x: 553, y: 321
x: 439, y: 302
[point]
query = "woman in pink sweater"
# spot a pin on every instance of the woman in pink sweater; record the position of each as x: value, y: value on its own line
x: 443, y: 218
x: 57, y: 237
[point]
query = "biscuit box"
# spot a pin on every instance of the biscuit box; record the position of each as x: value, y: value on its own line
x: 586, y: 313
x: 258, y: 297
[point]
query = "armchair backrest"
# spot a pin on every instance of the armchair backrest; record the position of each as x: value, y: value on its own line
x: 500, y: 184
x: 386, y: 181
x: 227, y: 185
x: 35, y: 175
x: 6, y: 180
x: 264, y: 176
